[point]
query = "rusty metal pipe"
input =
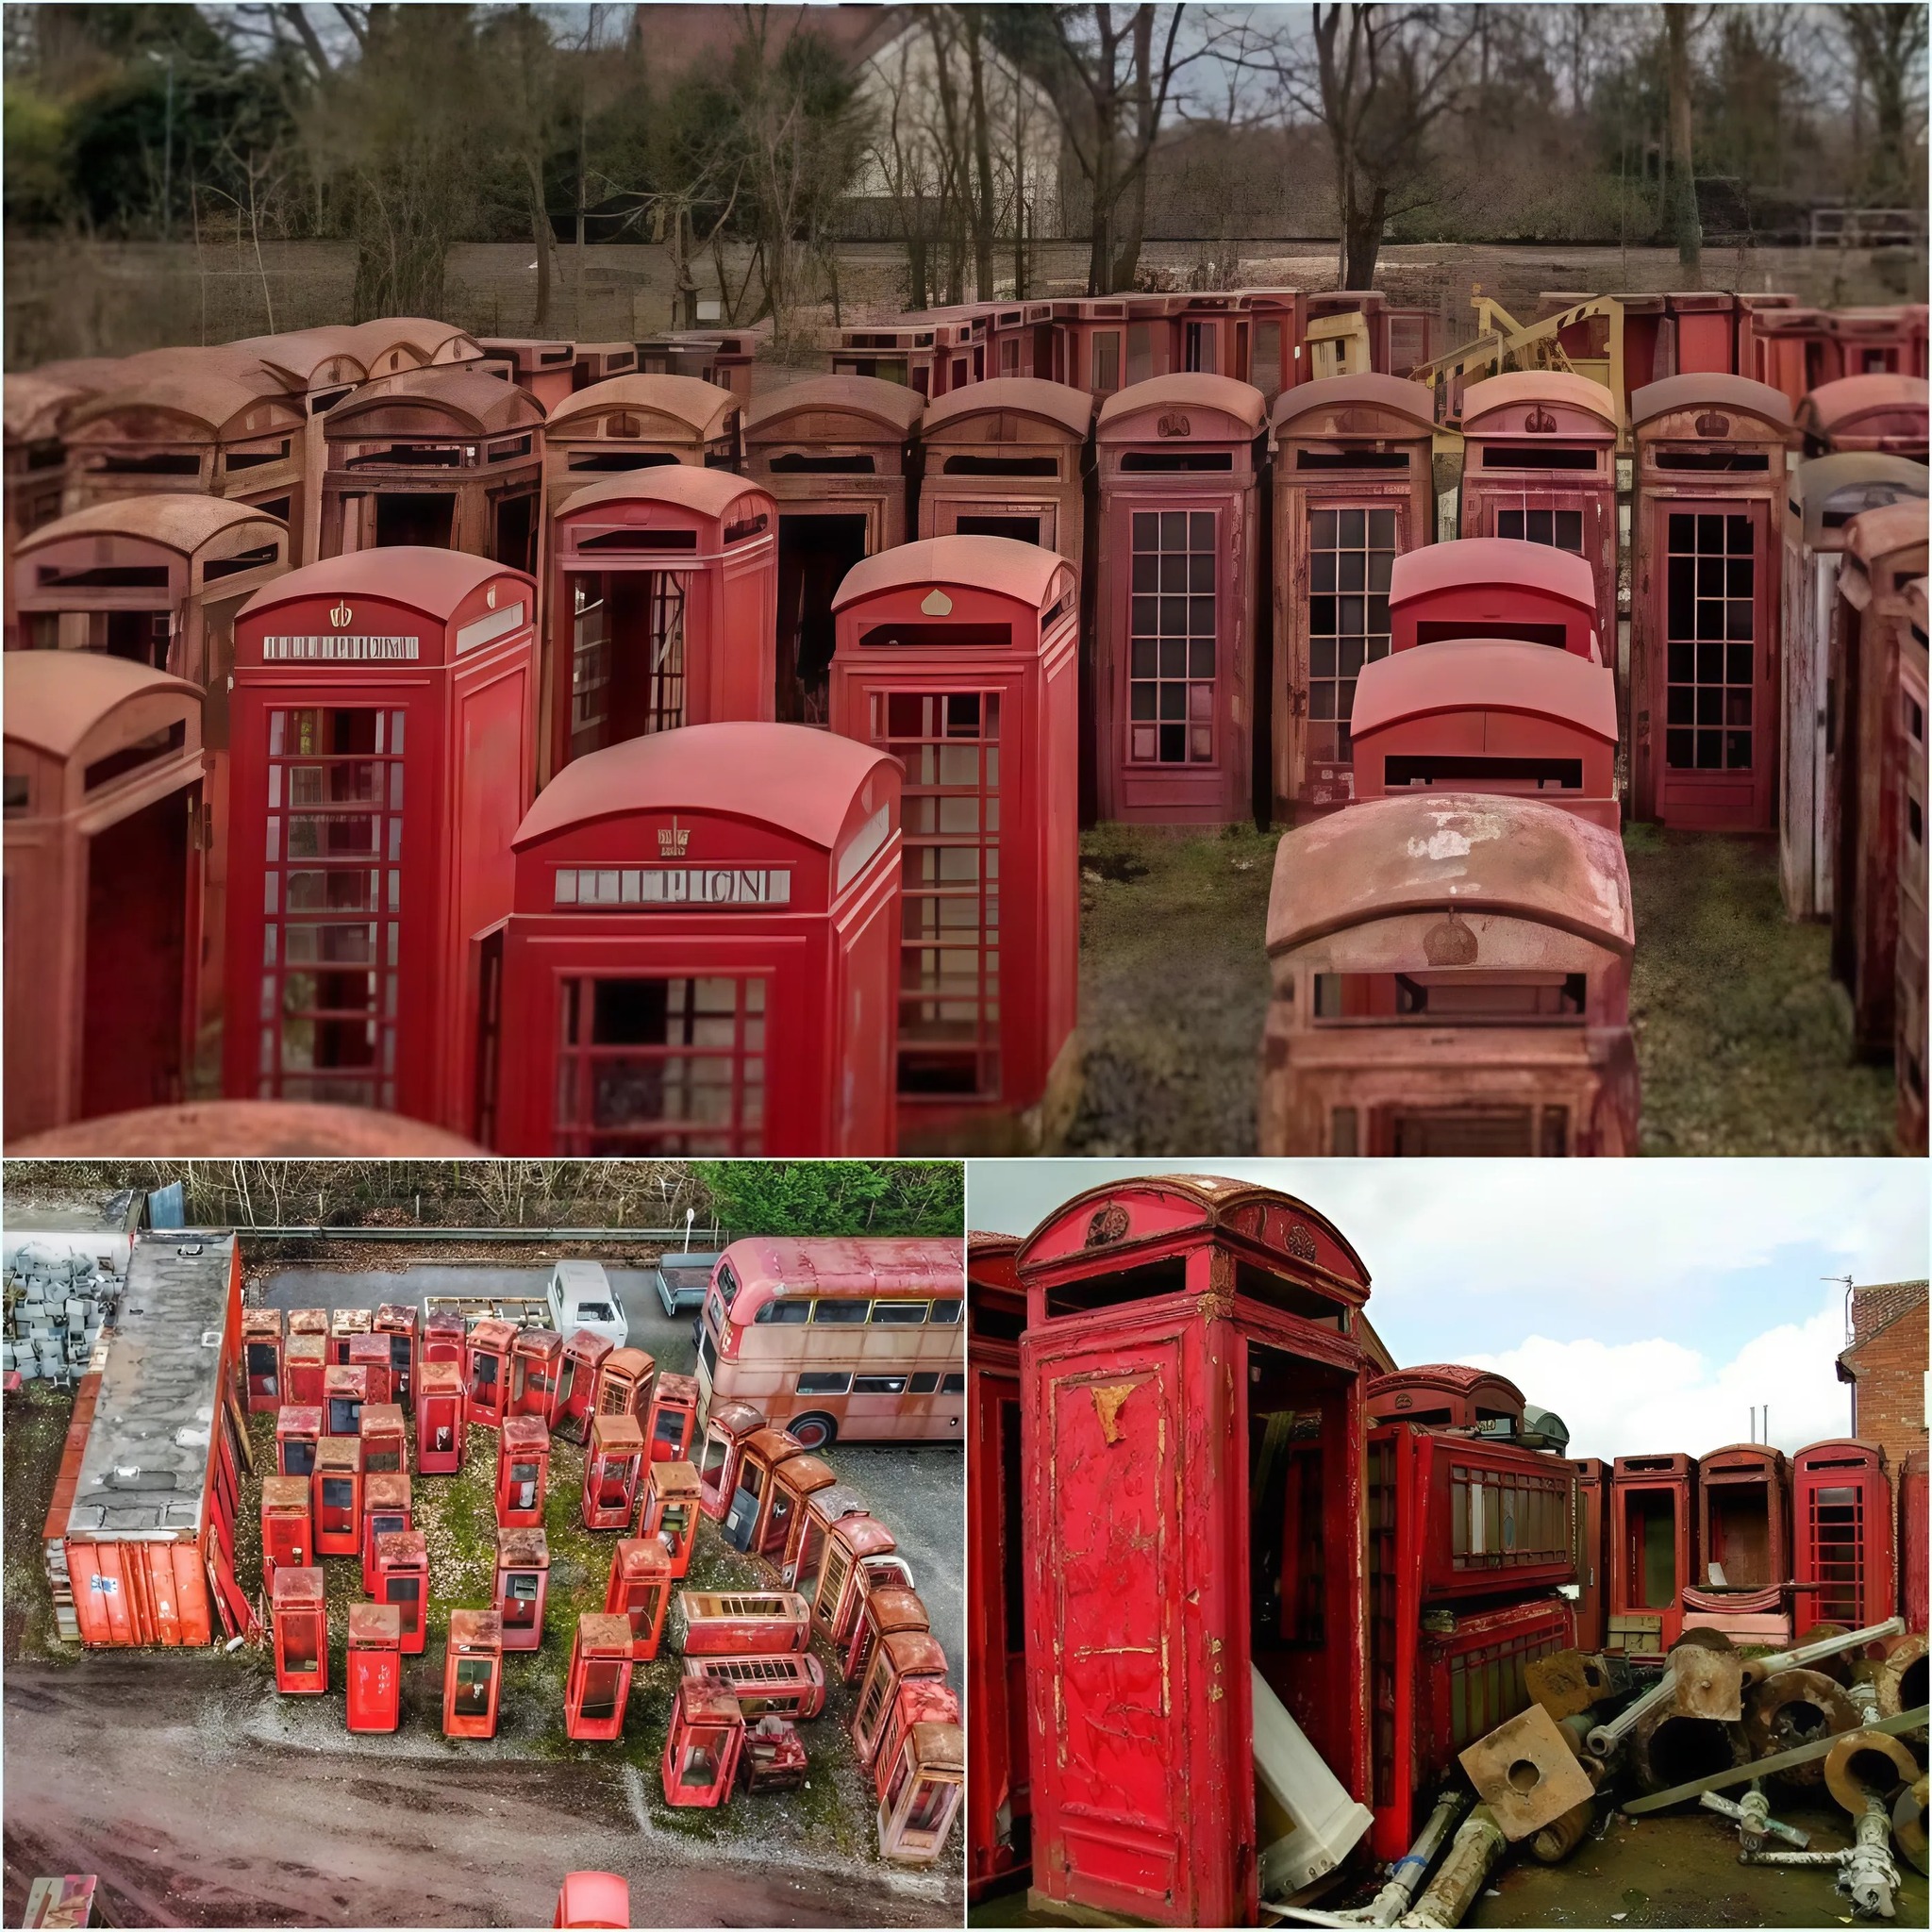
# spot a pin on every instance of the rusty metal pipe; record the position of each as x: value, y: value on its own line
x: 1456, y: 1886
x: 1759, y: 1668
x: 1753, y: 1820
x: 1404, y: 1875
x: 1605, y: 1738
x: 1865, y: 1874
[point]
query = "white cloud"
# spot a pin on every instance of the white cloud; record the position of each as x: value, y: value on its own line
x: 1658, y: 1396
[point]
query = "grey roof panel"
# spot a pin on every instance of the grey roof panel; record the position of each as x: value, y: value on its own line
x: 144, y: 1472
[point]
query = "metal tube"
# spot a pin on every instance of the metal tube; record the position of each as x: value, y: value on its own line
x: 1753, y: 1820
x: 1759, y: 1668
x: 1478, y: 1845
x: 1404, y: 1875
x: 1605, y: 1738
x: 1869, y: 1879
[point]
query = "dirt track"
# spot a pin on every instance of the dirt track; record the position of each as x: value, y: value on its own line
x: 138, y: 1769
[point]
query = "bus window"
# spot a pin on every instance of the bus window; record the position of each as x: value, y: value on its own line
x: 824, y: 1382
x: 847, y: 1312
x: 953, y: 1385
x: 727, y: 1284
x: 946, y: 1309
x: 926, y: 1384
x: 878, y: 1385
x: 899, y: 1314
x: 792, y: 1311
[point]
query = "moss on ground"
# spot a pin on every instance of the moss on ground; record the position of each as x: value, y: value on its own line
x: 1742, y: 1040
x: 35, y: 1432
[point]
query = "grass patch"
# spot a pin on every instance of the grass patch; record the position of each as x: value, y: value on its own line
x: 35, y: 1433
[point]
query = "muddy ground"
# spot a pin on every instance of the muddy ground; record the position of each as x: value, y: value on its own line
x: 1743, y: 1038
x: 82, y: 297
x: 202, y: 1797
x: 1674, y: 1869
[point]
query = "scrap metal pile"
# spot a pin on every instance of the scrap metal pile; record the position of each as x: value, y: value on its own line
x: 57, y: 1303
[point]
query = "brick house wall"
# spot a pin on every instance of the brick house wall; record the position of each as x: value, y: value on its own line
x: 1887, y: 1365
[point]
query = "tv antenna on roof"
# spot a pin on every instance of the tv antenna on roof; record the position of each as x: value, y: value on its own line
x: 1846, y: 1280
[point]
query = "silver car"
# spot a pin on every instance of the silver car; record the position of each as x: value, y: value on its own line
x: 580, y: 1296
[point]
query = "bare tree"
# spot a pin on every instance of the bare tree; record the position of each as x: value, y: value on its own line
x: 1887, y: 44
x: 1377, y: 80
x: 1680, y: 29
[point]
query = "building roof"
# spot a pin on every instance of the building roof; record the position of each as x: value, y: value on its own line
x: 176, y: 521
x: 1396, y: 394
x: 1057, y: 403
x: 432, y: 581
x: 690, y: 486
x: 1486, y: 674
x: 702, y: 407
x: 144, y: 1470
x: 55, y: 698
x: 1540, y: 386
x: 1708, y: 389
x: 1877, y: 1305
x: 806, y: 1262
x: 484, y: 404
x: 1000, y: 564
x: 1494, y: 560
x: 894, y: 406
x: 1188, y: 389
x: 789, y: 775
x: 1518, y: 857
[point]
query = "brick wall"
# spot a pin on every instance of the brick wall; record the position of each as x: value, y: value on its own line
x: 1889, y: 1367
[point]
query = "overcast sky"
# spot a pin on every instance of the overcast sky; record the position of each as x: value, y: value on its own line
x: 1649, y: 1303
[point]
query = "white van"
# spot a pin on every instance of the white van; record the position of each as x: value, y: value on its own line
x: 580, y: 1296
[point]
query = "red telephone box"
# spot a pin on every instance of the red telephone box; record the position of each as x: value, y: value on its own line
x: 301, y: 1624
x: 445, y: 1336
x: 597, y: 1687
x: 385, y: 1446
x: 441, y: 1418
x: 1783, y: 345
x: 594, y: 1899
x: 1008, y: 458
x: 740, y: 1623
x: 917, y: 1701
x: 883, y: 1609
x: 728, y: 1427
x: 355, y: 912
x: 261, y: 1351
x: 822, y: 1507
x: 402, y: 1579
x: 781, y: 1527
x: 1702, y: 321
x: 1743, y: 1521
x: 1403, y: 1021
x: 376, y: 1667
x: 1539, y: 464
x: 923, y: 1794
x: 1170, y: 1323
x: 1878, y: 341
x: 1652, y: 1513
x: 338, y: 1479
x: 639, y: 422
x: 487, y: 1370
x: 523, y: 1467
x: 704, y: 938
x: 397, y: 1320
x: 998, y: 1803
x: 1353, y: 492
x: 345, y: 1324
x: 584, y: 1355
x: 957, y: 656
x: 1886, y: 413
x: 1446, y: 1395
x: 624, y: 1384
x: 522, y: 1585
x: 471, y: 1674
x: 836, y: 453
x: 613, y: 1463
x: 343, y: 1392
x: 1826, y: 495
x: 1885, y: 548
x: 639, y: 1592
x: 1174, y: 691
x: 1490, y: 715
x: 542, y: 369
x: 763, y: 1453
x: 1908, y: 1039
x: 671, y: 1510
x: 385, y: 1511
x: 1495, y: 587
x: 1592, y: 1552
x: 663, y: 591
x: 309, y: 1322
x: 370, y: 1354
x: 297, y: 1431
x: 1841, y: 1519
x: 535, y: 1358
x: 287, y: 1533
x: 707, y: 1735
x: 674, y: 1418
x: 792, y: 1686
x: 860, y: 1552
x: 898, y: 1657
x: 1703, y: 601
x: 104, y: 776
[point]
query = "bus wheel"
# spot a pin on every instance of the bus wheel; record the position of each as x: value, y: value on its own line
x: 815, y: 1431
